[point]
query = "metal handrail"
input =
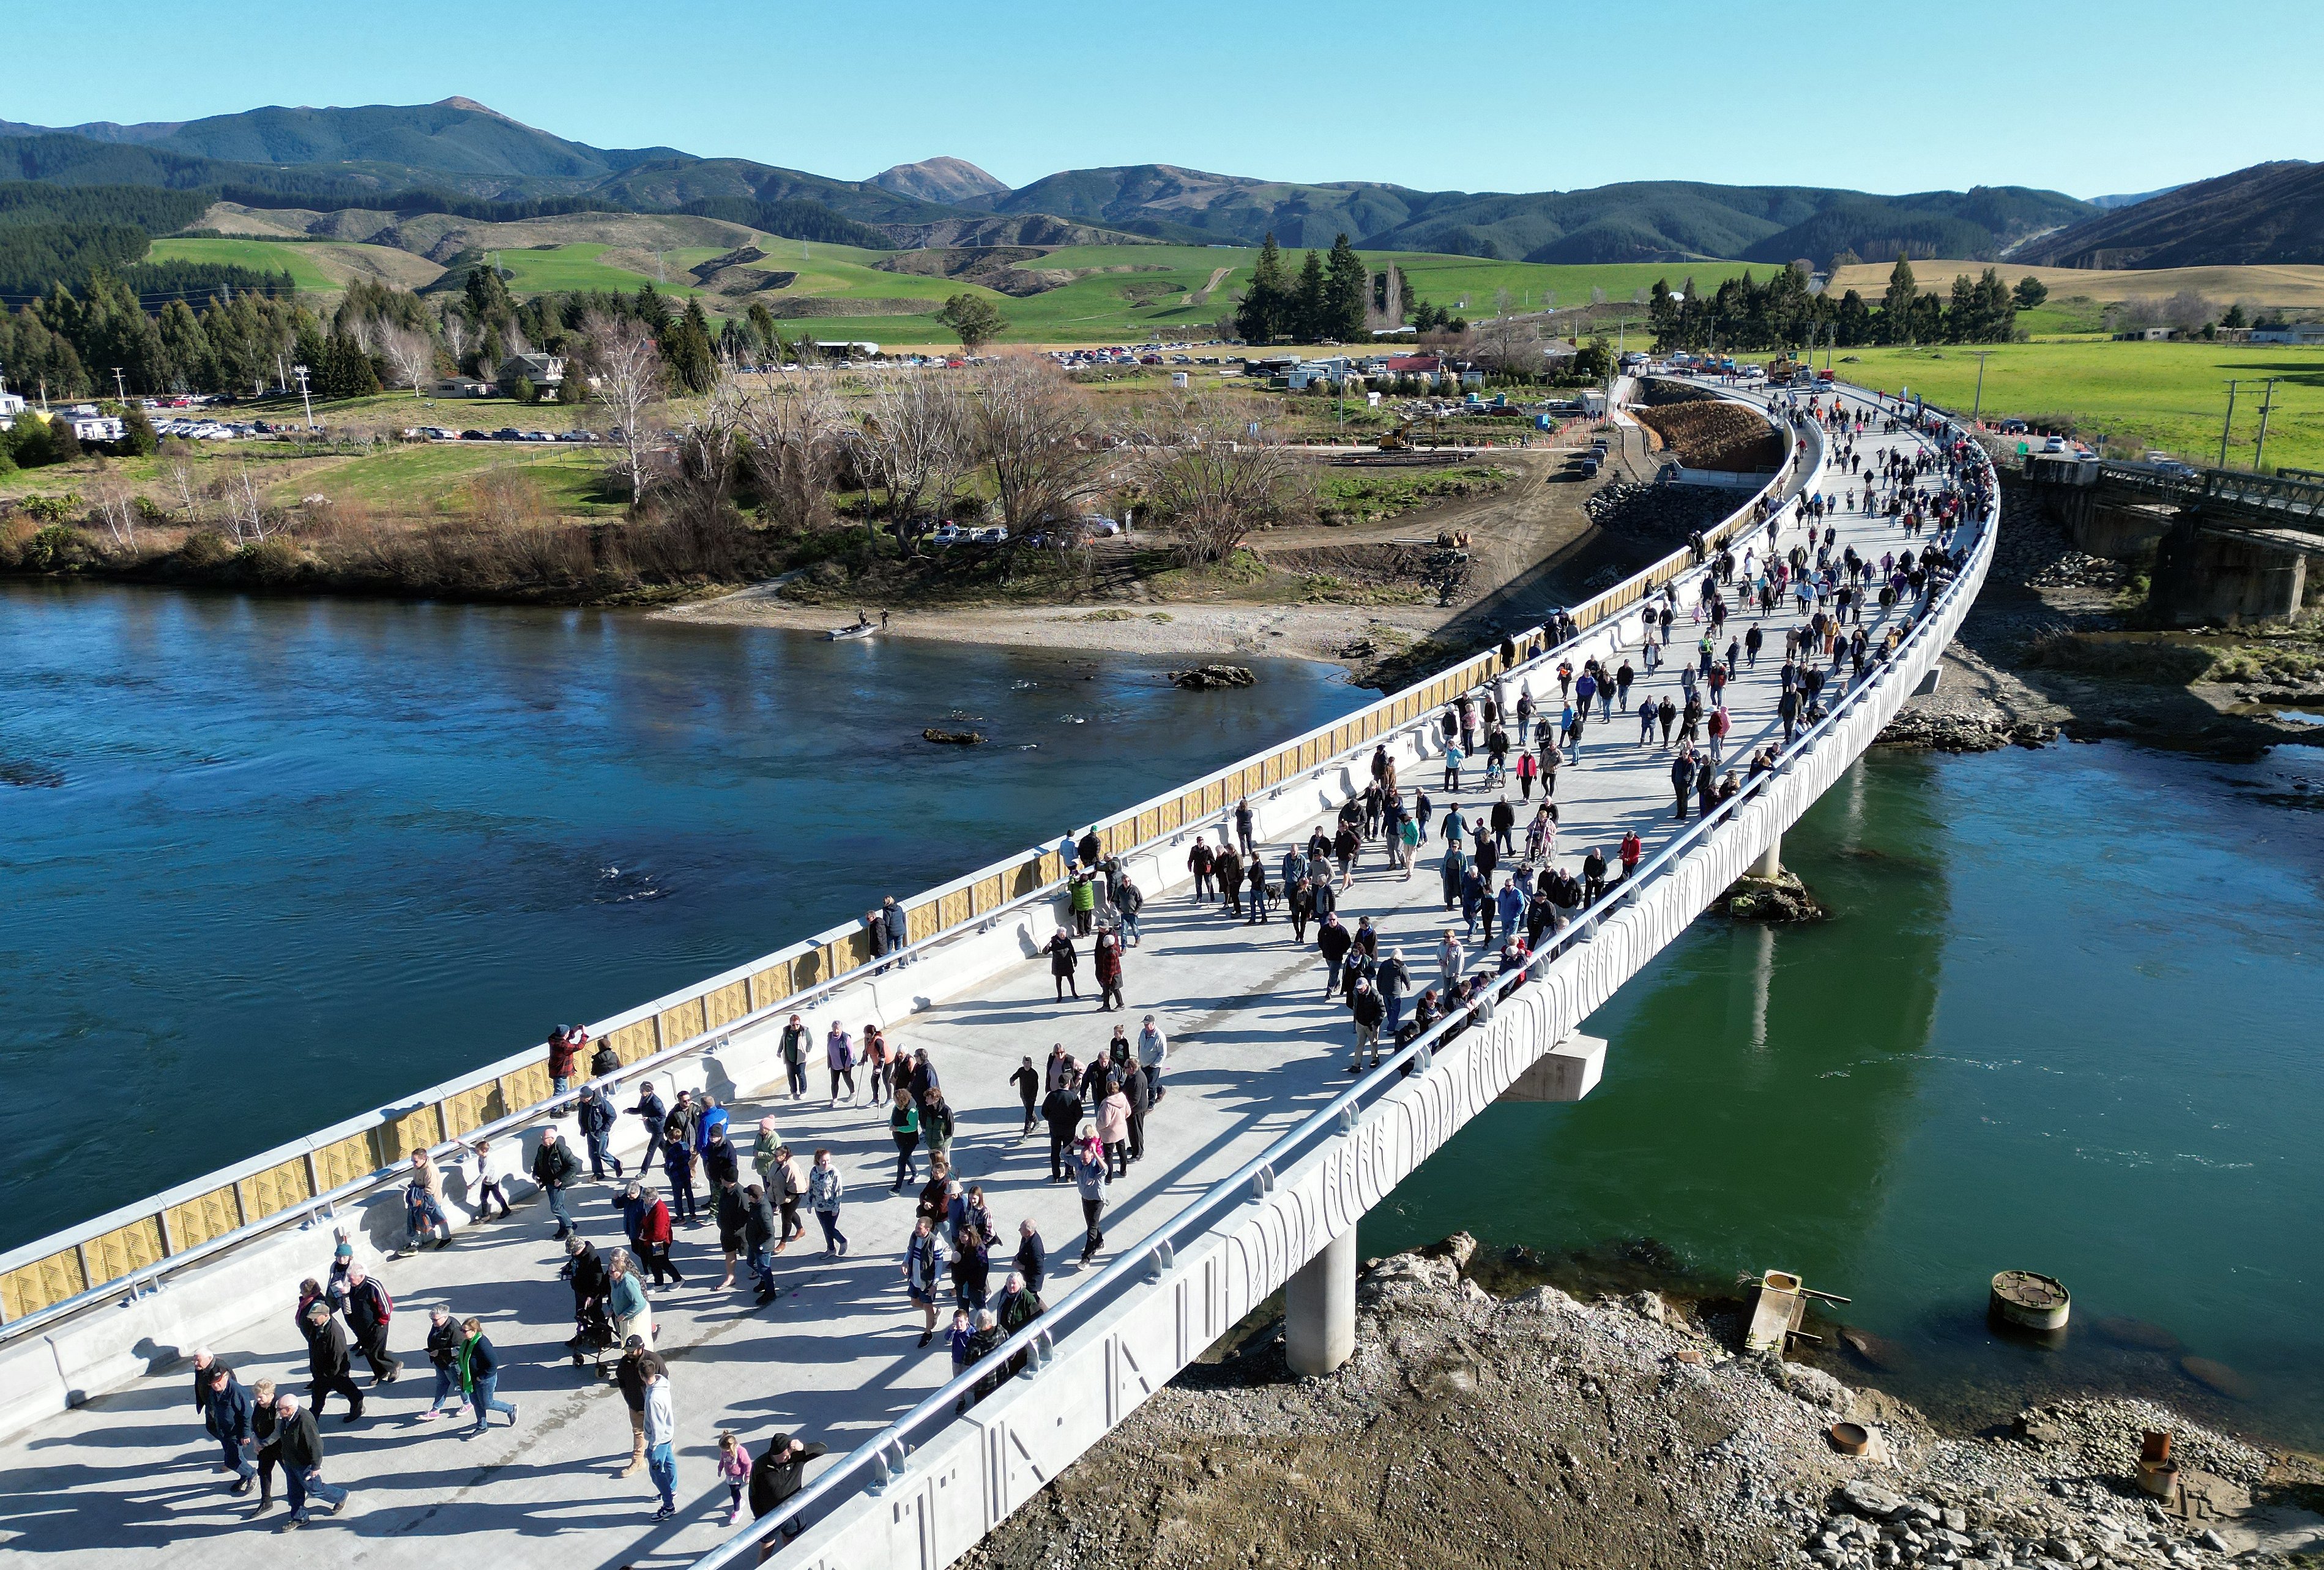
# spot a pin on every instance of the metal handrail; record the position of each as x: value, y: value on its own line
x: 325, y: 1204
x: 869, y: 1463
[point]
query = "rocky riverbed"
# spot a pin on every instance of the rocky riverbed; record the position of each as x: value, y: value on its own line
x: 1541, y: 1429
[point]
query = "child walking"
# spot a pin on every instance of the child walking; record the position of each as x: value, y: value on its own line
x: 733, y: 1471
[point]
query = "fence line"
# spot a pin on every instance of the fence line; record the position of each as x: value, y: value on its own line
x: 131, y: 1247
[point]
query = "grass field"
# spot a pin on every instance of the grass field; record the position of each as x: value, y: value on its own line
x: 2137, y: 395
x: 320, y: 267
x: 2294, y: 287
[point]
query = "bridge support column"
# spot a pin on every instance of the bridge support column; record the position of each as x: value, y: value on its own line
x: 1318, y: 1305
x: 1771, y: 864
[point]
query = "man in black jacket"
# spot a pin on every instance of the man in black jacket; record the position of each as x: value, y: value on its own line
x: 778, y: 1474
x: 1062, y: 1109
x: 1032, y: 1256
x: 299, y: 1444
x: 369, y: 1309
x: 327, y: 1361
x: 1135, y: 1091
x: 553, y: 1166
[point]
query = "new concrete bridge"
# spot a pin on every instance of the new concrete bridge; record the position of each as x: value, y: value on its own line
x: 1258, y: 1167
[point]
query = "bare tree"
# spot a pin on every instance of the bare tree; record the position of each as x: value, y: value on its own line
x: 914, y: 441
x: 1206, y: 487
x: 117, y: 515
x: 626, y: 382
x: 456, y: 336
x: 181, y: 480
x: 1036, y: 431
x: 410, y: 355
x: 1507, y: 344
x: 1501, y: 298
x: 246, y: 522
x: 793, y: 449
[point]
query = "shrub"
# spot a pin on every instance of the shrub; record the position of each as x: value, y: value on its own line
x: 204, y: 548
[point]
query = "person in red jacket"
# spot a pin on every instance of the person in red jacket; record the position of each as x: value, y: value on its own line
x: 653, y: 1237
x: 564, y: 1045
x: 1108, y: 961
x: 1632, y: 849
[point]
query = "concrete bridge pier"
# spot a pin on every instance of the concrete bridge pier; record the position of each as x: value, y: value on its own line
x: 1771, y: 864
x: 1319, y: 1306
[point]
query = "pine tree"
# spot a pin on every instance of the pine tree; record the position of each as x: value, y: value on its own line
x: 1260, y: 315
x: 1896, y: 304
x: 1346, y: 287
x: 1308, y: 324
x: 687, y: 348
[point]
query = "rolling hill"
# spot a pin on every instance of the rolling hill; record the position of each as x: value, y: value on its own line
x: 2271, y: 214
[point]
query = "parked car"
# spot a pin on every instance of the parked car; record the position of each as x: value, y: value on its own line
x: 947, y: 534
x: 1096, y: 523
x: 578, y: 436
x: 993, y: 534
x: 473, y: 436
x: 507, y: 433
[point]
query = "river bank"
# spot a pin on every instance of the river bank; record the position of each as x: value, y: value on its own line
x: 1540, y: 1429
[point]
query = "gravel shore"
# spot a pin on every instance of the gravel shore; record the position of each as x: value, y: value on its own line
x: 1540, y: 1429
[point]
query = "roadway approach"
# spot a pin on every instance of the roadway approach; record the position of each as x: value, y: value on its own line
x: 1257, y: 1050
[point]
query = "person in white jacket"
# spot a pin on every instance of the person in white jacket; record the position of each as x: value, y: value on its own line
x: 661, y: 1434
x: 1450, y: 956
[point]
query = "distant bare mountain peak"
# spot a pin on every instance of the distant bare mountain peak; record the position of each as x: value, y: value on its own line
x: 940, y: 179
x: 458, y: 102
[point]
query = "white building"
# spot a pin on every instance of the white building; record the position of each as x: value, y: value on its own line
x: 2298, y: 332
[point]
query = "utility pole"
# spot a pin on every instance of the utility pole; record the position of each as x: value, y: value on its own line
x: 2268, y: 402
x: 1978, y: 407
x: 301, y: 371
x: 121, y: 391
x: 2230, y: 424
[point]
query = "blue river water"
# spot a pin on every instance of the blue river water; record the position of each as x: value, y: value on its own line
x: 264, y: 864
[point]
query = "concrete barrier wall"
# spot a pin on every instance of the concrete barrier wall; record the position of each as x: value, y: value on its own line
x: 173, y: 1313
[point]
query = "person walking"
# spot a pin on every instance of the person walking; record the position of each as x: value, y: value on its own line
x: 423, y: 1205
x: 1063, y: 964
x: 629, y: 1379
x: 936, y: 1124
x: 677, y: 1166
x: 1153, y: 1055
x: 924, y: 1266
x: 1368, y: 1011
x: 758, y: 1227
x: 369, y: 1308
x: 227, y: 1415
x: 1113, y: 1130
x: 625, y: 1301
x: 443, y: 1349
x: 299, y: 1445
x: 661, y: 1435
x: 776, y: 1477
x: 1032, y: 1259
x: 797, y: 1039
x: 1199, y: 861
x: 1027, y: 1083
x: 597, y: 1117
x: 332, y: 1371
x: 479, y: 1367
x: 1062, y: 1110
x: 823, y: 1190
x: 904, y: 1127
x: 1333, y: 941
x: 734, y: 1472
x: 839, y: 1057
x: 1105, y: 959
x: 1452, y: 958
x: 554, y: 1168
x: 1091, y: 1176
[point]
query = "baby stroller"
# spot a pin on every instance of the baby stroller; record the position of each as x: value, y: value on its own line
x: 593, y: 1334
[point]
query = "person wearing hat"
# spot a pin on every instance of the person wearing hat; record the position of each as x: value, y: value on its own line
x: 629, y: 1379
x: 553, y: 1166
x: 562, y: 1049
x: 778, y: 1475
x: 329, y: 1364
x: 227, y: 1418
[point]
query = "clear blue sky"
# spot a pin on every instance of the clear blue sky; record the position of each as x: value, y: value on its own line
x: 2085, y: 97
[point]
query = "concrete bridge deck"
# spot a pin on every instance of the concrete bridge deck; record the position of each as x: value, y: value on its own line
x: 1255, y: 1048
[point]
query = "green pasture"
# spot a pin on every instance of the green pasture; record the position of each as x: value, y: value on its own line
x: 264, y: 256
x: 2138, y: 395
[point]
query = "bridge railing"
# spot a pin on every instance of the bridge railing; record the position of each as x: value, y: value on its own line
x: 874, y: 1463
x: 129, y: 1250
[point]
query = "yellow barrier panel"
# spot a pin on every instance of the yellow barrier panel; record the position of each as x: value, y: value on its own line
x: 275, y: 1189
x: 772, y: 983
x: 950, y: 911
x: 633, y: 1042
x: 682, y: 1024
x: 397, y: 1138
x: 198, y: 1220
x: 29, y: 1289
x: 123, y: 1250
x: 344, y: 1160
x: 724, y: 1005
x: 527, y: 1086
